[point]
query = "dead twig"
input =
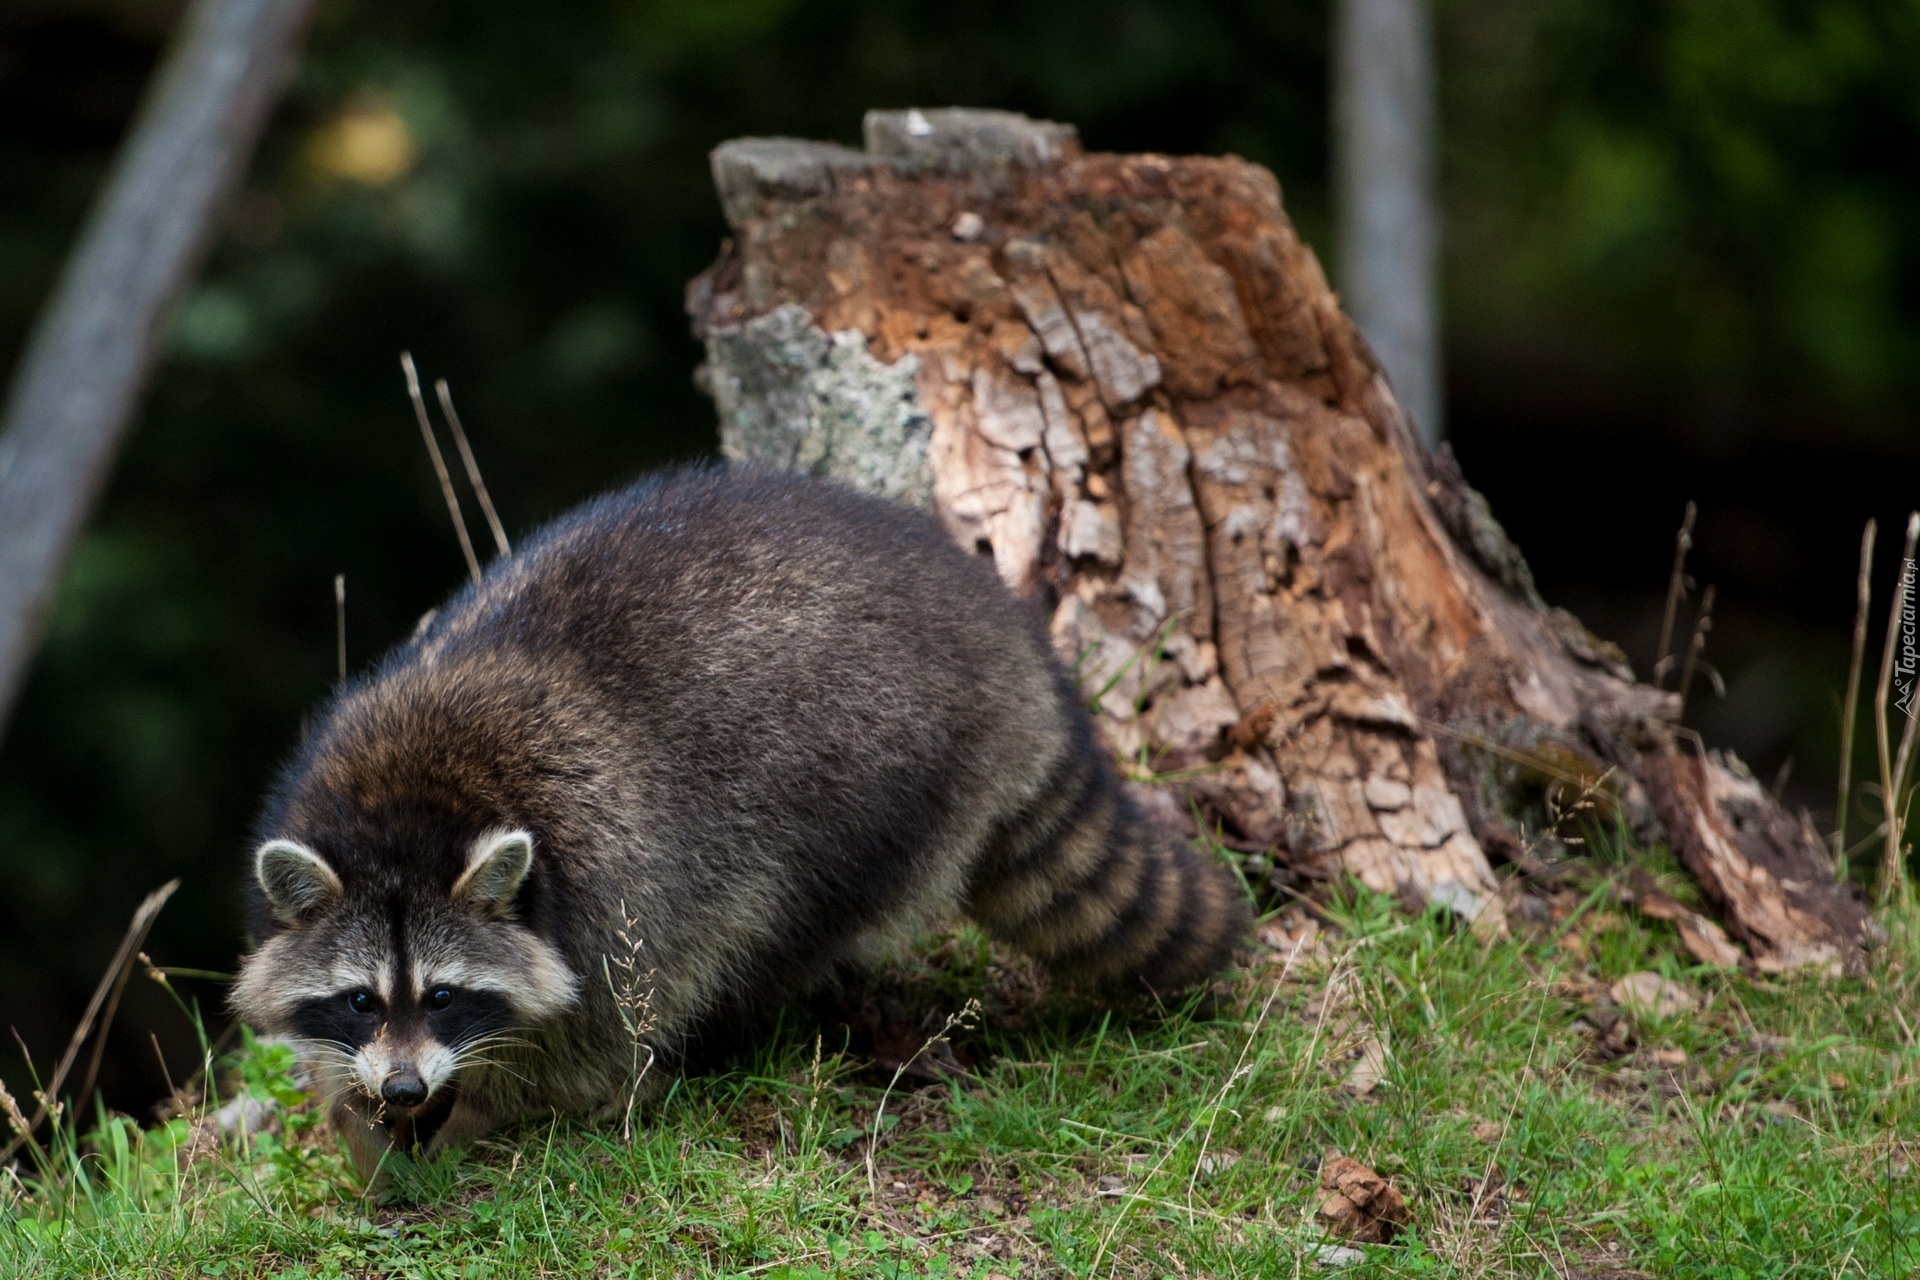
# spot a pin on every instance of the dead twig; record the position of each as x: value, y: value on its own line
x: 106, y: 997
x: 1702, y: 623
x: 968, y: 1015
x: 439, y: 465
x: 445, y: 393
x: 1864, y: 590
x: 1676, y: 589
x: 340, y: 624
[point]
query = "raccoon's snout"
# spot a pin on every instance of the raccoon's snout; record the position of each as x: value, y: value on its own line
x: 404, y: 1088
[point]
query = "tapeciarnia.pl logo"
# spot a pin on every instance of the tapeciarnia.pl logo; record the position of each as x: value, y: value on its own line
x: 1909, y: 660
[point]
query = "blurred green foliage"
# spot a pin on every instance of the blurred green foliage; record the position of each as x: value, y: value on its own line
x: 1704, y: 192
x: 1712, y: 192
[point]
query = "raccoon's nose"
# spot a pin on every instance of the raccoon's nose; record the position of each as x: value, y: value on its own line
x: 404, y: 1089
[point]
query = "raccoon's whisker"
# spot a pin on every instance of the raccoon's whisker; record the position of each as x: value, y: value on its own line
x: 501, y: 1067
x: 323, y: 1055
x: 489, y: 1037
x: 501, y: 1040
x: 482, y: 1050
x: 466, y: 1061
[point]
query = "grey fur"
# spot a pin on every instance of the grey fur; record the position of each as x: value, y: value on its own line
x: 761, y: 722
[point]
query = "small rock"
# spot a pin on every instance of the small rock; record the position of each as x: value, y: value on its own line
x: 1489, y: 1131
x: 968, y: 227
x: 1274, y: 1115
x: 1218, y: 1162
x: 1337, y: 1255
x: 1669, y: 1057
x: 1111, y: 1186
x: 1369, y: 1070
x: 1646, y: 993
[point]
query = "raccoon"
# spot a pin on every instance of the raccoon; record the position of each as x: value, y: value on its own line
x: 758, y: 726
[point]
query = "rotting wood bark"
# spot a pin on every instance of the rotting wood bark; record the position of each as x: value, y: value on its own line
x: 1125, y: 379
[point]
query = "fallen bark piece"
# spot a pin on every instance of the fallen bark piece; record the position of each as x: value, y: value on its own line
x: 1360, y: 1204
x: 1369, y: 1069
x: 1124, y: 380
x: 1706, y: 941
x: 1648, y: 994
x: 1749, y: 856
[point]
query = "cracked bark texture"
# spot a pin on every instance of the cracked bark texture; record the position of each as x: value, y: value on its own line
x: 1125, y: 379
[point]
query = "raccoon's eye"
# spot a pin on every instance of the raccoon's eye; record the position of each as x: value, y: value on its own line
x: 361, y: 1002
x: 440, y: 998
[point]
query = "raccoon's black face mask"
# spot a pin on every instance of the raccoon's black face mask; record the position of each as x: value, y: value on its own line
x: 393, y: 991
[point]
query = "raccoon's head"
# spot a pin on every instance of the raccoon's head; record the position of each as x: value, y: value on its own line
x: 393, y: 988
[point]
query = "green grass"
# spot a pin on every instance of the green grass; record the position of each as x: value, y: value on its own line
x: 1181, y: 1143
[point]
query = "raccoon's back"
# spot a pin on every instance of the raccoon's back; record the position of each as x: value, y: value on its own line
x: 761, y: 714
x: 784, y: 642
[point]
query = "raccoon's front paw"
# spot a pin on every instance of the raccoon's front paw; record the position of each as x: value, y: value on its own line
x: 463, y: 1123
x: 376, y: 1130
x: 366, y: 1135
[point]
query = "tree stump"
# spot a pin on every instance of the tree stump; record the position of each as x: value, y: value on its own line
x: 1125, y: 379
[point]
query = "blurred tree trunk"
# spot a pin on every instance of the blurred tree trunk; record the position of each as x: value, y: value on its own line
x: 1125, y: 379
x: 92, y: 347
x: 1384, y: 170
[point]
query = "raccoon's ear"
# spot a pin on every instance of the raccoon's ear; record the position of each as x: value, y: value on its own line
x: 294, y: 878
x: 499, y: 862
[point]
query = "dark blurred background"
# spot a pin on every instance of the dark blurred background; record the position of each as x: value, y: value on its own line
x: 1681, y: 262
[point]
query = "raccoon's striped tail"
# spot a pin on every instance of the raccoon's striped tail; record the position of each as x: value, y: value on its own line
x: 1078, y: 880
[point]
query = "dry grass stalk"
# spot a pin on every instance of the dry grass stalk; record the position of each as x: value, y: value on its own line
x: 105, y: 1001
x: 632, y: 989
x: 340, y: 624
x: 1893, y: 871
x: 813, y: 1092
x: 467, y: 460
x: 1702, y: 623
x: 968, y: 1016
x: 1240, y: 1071
x: 1676, y: 590
x: 1864, y: 592
x: 439, y: 463
x: 22, y: 1128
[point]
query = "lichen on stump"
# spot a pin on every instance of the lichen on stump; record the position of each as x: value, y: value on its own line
x: 1125, y: 379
